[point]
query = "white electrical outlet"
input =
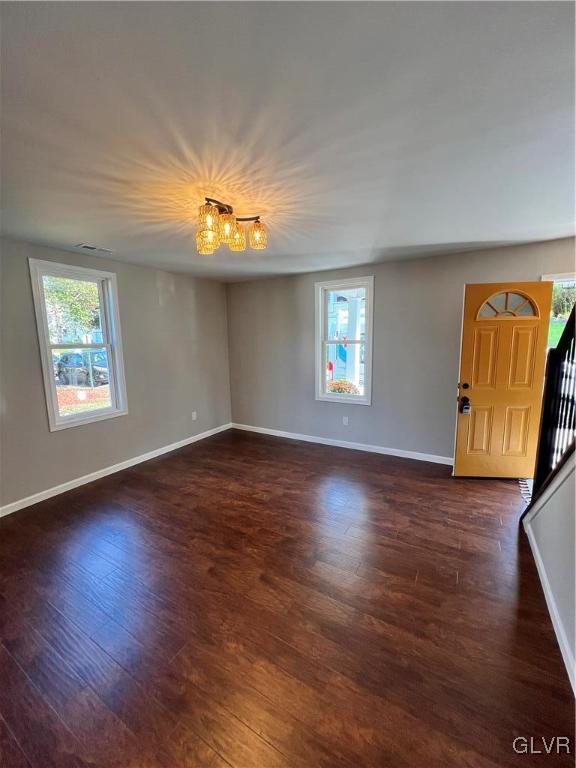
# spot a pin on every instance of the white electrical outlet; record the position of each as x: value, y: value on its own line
x: 345, y: 420
x: 194, y: 415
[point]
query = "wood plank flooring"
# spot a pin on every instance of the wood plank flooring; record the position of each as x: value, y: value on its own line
x: 256, y: 602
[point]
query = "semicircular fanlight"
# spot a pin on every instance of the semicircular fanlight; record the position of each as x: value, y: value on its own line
x: 507, y: 304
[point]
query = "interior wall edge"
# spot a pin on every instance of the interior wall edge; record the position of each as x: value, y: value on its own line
x: 547, y: 526
x: 553, y: 610
x: 540, y: 503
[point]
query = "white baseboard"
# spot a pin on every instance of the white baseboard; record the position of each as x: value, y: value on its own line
x: 346, y: 444
x: 47, y: 494
x: 57, y: 489
x: 565, y: 648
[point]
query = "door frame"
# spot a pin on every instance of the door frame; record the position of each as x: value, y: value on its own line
x: 458, y: 377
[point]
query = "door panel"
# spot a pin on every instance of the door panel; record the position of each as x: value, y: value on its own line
x: 485, y: 357
x: 516, y: 424
x: 522, y: 357
x: 504, y: 332
x: 480, y: 429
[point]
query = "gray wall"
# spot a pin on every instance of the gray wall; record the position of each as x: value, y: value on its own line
x: 417, y: 316
x: 176, y: 357
x: 551, y: 527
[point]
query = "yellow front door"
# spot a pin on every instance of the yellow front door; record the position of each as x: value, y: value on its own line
x: 504, y: 334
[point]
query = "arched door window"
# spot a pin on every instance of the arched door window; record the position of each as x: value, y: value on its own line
x: 507, y: 304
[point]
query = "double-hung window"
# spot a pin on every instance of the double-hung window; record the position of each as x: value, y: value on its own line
x: 80, y: 343
x: 344, y: 340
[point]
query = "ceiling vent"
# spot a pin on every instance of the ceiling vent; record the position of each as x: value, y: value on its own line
x: 94, y: 248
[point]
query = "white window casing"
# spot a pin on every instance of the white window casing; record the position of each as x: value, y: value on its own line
x: 111, y: 342
x: 323, y: 340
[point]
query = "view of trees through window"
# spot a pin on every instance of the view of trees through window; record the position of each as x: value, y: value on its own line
x: 563, y: 299
x: 73, y: 309
x: 81, y: 373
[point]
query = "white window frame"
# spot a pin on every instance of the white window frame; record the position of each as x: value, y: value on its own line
x: 321, y: 339
x: 111, y: 335
x: 560, y: 277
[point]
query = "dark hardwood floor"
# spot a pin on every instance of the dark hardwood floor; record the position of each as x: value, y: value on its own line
x: 261, y: 603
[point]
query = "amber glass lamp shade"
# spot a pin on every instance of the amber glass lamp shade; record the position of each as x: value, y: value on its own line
x: 238, y: 241
x: 201, y: 246
x: 207, y: 242
x: 258, y: 236
x: 208, y: 218
x: 227, y: 227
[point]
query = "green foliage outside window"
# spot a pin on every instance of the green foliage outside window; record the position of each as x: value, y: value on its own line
x: 563, y: 299
x: 72, y: 307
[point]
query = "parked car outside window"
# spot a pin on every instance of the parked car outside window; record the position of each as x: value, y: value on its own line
x: 82, y: 369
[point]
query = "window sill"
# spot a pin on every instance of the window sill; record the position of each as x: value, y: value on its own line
x: 78, y: 422
x: 348, y: 399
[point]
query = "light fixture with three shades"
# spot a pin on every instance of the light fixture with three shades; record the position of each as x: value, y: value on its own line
x: 217, y: 225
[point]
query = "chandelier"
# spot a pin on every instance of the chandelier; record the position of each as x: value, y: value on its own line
x: 218, y: 226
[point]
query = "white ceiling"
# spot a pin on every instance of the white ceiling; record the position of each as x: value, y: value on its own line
x: 361, y: 131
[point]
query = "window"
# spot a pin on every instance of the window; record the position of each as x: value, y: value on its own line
x: 80, y: 343
x: 563, y: 299
x: 507, y: 304
x: 344, y: 340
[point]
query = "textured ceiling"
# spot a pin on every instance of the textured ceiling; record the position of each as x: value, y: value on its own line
x: 361, y: 131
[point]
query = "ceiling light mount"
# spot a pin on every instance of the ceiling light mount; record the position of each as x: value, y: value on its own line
x: 217, y: 225
x: 222, y: 207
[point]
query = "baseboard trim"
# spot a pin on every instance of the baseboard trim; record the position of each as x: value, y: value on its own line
x: 347, y: 444
x: 68, y: 486
x: 57, y: 489
x: 565, y: 649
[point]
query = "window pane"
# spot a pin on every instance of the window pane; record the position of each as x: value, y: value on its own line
x: 487, y: 311
x: 346, y: 313
x: 525, y: 310
x: 82, y: 380
x: 515, y: 301
x: 499, y: 302
x: 344, y: 367
x: 73, y: 310
x: 563, y: 299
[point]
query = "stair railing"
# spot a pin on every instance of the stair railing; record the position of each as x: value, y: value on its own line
x: 558, y: 421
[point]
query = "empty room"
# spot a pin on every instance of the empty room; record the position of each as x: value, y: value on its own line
x: 287, y: 384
